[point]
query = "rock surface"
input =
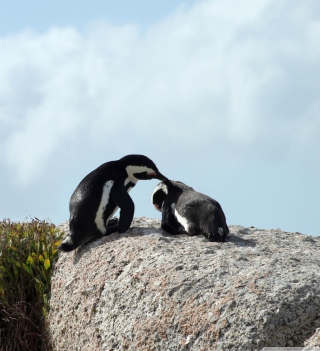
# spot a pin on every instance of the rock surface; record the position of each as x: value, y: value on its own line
x: 146, y: 290
x: 314, y: 340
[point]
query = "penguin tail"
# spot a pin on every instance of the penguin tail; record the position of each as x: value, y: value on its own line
x: 68, y: 245
x: 217, y: 233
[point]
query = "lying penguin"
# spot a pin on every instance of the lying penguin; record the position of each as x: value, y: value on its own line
x: 101, y: 193
x: 185, y: 211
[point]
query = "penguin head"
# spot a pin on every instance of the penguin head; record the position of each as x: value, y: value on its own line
x: 159, y: 194
x: 140, y: 167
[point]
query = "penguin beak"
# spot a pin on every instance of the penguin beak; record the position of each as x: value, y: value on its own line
x: 161, y: 177
x: 157, y: 175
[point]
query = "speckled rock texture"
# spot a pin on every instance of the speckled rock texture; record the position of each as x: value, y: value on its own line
x: 147, y: 290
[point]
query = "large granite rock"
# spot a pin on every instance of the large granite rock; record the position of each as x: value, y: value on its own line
x: 147, y: 290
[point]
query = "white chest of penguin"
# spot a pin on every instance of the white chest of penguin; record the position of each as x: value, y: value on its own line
x: 99, y: 219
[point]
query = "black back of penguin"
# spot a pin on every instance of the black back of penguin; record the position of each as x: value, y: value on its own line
x: 186, y: 211
x: 101, y: 193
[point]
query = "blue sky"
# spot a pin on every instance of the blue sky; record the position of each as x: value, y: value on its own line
x: 18, y: 15
x: 222, y: 95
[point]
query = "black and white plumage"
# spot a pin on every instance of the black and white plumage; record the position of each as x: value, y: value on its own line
x: 186, y: 211
x: 101, y: 193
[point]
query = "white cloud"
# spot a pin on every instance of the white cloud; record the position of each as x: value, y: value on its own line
x: 221, y: 75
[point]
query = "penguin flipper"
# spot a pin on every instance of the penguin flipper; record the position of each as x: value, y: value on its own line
x: 123, y: 200
x: 166, y: 222
x: 170, y: 224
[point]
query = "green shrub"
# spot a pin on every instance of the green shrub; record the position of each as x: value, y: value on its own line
x: 27, y: 253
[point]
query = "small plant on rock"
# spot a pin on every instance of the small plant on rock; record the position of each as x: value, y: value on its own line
x: 27, y: 253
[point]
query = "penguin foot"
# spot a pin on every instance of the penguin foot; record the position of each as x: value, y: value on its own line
x: 68, y: 245
x: 216, y: 238
x: 112, y: 221
x: 111, y: 229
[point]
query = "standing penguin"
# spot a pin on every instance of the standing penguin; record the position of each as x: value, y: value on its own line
x: 101, y: 193
x: 185, y: 211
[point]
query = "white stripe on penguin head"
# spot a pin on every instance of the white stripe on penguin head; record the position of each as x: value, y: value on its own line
x: 159, y: 187
x: 131, y: 170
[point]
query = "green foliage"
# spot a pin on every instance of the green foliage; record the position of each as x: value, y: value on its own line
x: 27, y: 253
